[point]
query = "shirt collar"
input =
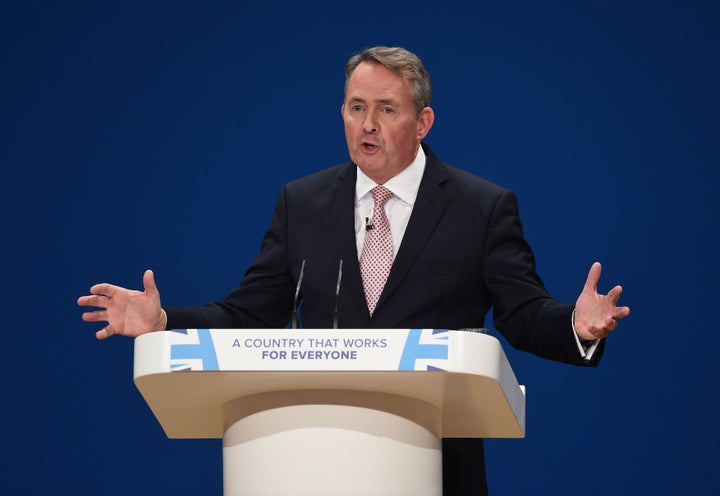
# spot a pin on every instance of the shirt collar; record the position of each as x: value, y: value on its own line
x: 404, y: 185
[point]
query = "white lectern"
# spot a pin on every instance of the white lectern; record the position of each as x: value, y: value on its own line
x: 329, y: 412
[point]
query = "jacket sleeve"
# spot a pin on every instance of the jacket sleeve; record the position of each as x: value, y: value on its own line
x: 523, y: 311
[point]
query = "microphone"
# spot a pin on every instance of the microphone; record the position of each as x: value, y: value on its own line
x: 337, y: 295
x: 368, y: 225
x: 294, y: 317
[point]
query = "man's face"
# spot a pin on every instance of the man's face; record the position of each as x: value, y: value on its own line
x: 382, y: 132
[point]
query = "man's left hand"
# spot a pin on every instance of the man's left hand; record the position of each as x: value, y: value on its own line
x: 597, y: 314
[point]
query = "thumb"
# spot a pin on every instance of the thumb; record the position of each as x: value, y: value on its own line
x: 593, y: 277
x: 149, y: 283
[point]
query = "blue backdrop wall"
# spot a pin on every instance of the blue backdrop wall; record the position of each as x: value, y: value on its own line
x: 156, y: 135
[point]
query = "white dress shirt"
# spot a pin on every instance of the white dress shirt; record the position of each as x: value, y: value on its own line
x: 404, y: 187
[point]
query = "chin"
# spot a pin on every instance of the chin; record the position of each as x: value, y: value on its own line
x: 368, y: 167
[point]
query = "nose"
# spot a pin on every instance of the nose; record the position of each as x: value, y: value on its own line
x: 369, y: 124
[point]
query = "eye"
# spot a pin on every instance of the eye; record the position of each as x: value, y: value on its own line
x: 387, y: 110
x: 356, y: 108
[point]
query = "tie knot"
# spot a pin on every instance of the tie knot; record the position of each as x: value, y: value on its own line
x: 381, y: 195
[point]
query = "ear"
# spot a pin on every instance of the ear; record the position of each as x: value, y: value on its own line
x: 425, y: 122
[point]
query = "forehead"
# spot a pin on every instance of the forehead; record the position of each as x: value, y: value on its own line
x: 371, y: 81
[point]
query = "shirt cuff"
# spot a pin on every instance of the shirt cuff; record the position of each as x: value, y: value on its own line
x: 587, y: 350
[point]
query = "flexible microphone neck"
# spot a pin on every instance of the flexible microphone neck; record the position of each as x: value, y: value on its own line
x: 337, y: 295
x: 294, y: 317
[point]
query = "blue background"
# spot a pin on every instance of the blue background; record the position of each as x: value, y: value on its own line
x: 156, y: 135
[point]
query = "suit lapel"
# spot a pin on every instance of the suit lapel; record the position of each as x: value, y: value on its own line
x: 342, y: 212
x: 427, y: 212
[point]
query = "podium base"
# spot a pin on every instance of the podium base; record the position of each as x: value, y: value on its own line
x: 315, y: 443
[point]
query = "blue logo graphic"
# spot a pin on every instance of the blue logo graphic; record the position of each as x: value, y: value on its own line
x: 203, y: 350
x: 428, y: 345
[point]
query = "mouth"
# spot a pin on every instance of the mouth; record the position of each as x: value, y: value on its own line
x: 369, y: 147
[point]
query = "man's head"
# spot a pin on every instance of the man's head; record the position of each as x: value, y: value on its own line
x: 386, y: 110
x: 403, y: 63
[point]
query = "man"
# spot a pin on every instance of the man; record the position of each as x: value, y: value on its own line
x: 444, y: 247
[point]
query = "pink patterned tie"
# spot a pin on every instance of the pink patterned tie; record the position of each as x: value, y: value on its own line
x: 377, y: 253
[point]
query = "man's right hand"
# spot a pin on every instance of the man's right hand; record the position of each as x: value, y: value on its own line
x: 127, y: 312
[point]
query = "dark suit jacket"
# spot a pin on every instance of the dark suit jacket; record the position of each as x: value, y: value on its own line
x: 463, y: 252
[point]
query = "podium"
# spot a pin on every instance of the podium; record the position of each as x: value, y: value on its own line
x: 327, y: 411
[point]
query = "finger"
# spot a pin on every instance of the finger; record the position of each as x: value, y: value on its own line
x: 593, y: 277
x: 104, y: 289
x: 96, y: 316
x: 614, y: 294
x: 92, y: 301
x: 621, y: 312
x: 104, y: 333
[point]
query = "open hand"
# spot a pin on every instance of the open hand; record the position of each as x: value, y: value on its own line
x: 127, y: 312
x: 597, y: 314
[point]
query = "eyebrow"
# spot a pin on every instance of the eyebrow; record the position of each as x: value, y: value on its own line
x: 382, y: 101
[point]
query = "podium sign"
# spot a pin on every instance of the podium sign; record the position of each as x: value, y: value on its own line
x: 349, y: 349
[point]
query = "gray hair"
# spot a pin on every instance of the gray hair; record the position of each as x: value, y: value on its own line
x: 403, y: 63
